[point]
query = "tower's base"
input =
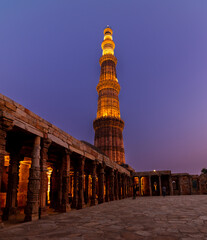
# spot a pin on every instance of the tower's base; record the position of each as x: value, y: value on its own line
x: 109, y: 138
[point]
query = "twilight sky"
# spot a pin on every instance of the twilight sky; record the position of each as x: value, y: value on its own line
x: 49, y: 63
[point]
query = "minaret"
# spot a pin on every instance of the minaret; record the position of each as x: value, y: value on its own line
x: 108, y: 124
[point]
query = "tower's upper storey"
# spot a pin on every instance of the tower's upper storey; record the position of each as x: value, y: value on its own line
x: 108, y: 44
x: 108, y: 87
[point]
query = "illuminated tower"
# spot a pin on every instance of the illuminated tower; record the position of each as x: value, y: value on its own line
x: 108, y: 124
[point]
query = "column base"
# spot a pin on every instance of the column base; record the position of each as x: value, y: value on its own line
x: 74, y: 203
x: 1, y: 223
x: 65, y: 208
x: 9, y: 213
x: 94, y: 202
x: 112, y: 198
x: 43, y: 211
x: 32, y: 217
x: 106, y: 198
x: 101, y: 200
x: 81, y: 206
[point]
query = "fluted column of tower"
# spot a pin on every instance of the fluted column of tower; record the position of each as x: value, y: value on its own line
x: 108, y: 124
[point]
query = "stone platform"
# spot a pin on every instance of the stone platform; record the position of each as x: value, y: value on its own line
x: 172, y: 217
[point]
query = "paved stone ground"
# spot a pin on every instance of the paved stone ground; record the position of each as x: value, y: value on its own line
x: 175, y: 217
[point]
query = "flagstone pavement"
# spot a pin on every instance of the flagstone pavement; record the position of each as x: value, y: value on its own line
x: 161, y: 218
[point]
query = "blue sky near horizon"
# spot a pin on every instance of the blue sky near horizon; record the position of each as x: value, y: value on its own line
x: 49, y: 62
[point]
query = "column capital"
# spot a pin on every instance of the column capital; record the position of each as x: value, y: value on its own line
x: 68, y: 151
x: 6, y: 124
x: 46, y: 142
x: 95, y: 162
x: 82, y: 157
x: 111, y: 172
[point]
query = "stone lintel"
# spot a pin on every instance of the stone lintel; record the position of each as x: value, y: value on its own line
x: 72, y: 149
x: 57, y: 140
x: 89, y: 156
x: 27, y: 127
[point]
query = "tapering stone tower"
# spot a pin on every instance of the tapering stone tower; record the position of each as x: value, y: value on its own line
x: 108, y: 124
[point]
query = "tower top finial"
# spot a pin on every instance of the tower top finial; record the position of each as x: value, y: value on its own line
x: 108, y: 43
x: 108, y: 30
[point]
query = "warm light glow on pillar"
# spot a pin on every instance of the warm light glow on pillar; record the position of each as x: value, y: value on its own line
x: 49, y: 173
x: 24, y: 167
x: 6, y: 160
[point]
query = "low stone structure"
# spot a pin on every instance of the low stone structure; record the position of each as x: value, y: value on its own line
x: 151, y: 183
x: 41, y: 166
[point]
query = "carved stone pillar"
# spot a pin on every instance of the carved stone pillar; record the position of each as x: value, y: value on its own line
x: 131, y: 186
x: 5, y: 125
x: 93, y: 198
x: 101, y: 185
x: 170, y: 185
x: 160, y: 185
x: 43, y: 179
x: 128, y: 187
x: 32, y: 208
x: 190, y: 185
x: 199, y: 185
x: 180, y: 185
x: 123, y: 186
x: 13, y: 181
x: 111, y: 185
x: 107, y: 187
x: 65, y: 206
x: 116, y: 185
x: 81, y: 203
x: 140, y: 190
x: 75, y: 188
x: 120, y: 186
x: 150, y: 185
x: 86, y: 188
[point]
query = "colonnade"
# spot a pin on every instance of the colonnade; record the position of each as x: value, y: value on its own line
x: 70, y: 176
x: 176, y: 184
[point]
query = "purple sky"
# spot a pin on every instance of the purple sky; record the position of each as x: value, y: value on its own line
x: 49, y: 62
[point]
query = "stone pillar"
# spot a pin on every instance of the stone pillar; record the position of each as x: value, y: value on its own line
x: 5, y: 125
x: 65, y: 206
x: 13, y: 181
x: 32, y: 208
x: 199, y: 185
x: 160, y: 185
x: 75, y: 188
x: 126, y: 186
x: 190, y: 185
x: 93, y: 198
x: 120, y: 186
x: 130, y: 194
x: 180, y: 185
x: 116, y: 186
x: 123, y: 186
x: 150, y: 185
x: 129, y: 187
x: 170, y: 185
x: 107, y: 187
x: 140, y: 191
x: 43, y: 179
x: 86, y: 189
x: 81, y: 203
x: 101, y: 185
x: 111, y: 185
